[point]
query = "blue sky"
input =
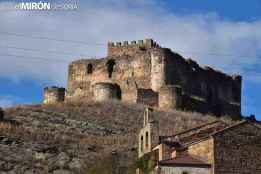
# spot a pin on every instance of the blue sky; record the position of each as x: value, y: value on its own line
x: 236, y: 10
x: 223, y: 34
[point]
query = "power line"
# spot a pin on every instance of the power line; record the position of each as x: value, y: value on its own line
x: 53, y: 39
x: 36, y: 58
x: 82, y: 55
x: 46, y: 51
x: 100, y: 44
x: 39, y: 58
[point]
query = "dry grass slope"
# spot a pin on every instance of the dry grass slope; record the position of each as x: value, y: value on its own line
x: 73, y: 137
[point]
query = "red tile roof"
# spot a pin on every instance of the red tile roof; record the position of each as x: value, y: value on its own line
x: 184, y: 161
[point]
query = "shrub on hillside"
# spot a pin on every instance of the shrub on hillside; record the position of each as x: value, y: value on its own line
x: 1, y: 114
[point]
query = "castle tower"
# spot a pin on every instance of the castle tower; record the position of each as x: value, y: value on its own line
x: 53, y: 95
x: 170, y: 97
x: 149, y: 134
x: 130, y: 48
x: 158, y: 69
x: 104, y: 91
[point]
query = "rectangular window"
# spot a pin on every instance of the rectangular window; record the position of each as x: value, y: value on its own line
x: 141, y: 144
x: 147, y: 140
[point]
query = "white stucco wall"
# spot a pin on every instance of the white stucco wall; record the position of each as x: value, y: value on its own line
x: 179, y: 170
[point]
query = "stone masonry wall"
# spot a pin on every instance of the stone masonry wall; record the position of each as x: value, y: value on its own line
x: 204, y: 150
x: 128, y: 72
x: 148, y: 136
x: 164, y: 152
x: 53, y: 95
x: 158, y: 69
x: 170, y: 97
x: 106, y: 91
x: 147, y: 96
x: 220, y: 91
x: 238, y: 150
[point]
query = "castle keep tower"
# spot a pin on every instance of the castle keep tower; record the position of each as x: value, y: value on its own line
x: 106, y: 91
x: 53, y: 95
x: 126, y: 48
x: 158, y: 73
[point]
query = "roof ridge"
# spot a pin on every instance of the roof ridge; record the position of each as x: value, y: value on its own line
x: 195, y: 128
x: 184, y: 155
x: 186, y: 160
x: 230, y: 127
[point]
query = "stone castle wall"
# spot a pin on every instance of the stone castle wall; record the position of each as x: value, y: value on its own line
x: 53, y: 95
x: 106, y: 91
x: 170, y: 97
x: 158, y: 69
x: 203, y: 88
x: 130, y: 73
x: 143, y: 71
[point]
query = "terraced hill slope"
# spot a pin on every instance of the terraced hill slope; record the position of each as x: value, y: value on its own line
x: 79, y: 137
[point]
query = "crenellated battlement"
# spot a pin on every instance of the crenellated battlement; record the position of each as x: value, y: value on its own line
x: 130, y: 48
x: 145, y: 42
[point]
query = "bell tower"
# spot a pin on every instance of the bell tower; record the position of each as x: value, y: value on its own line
x: 149, y: 134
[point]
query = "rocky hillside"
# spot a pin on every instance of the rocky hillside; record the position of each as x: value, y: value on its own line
x: 79, y: 137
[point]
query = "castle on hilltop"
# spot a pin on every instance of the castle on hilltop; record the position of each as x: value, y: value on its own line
x: 144, y: 72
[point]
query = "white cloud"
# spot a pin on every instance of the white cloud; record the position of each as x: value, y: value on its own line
x: 227, y: 45
x: 6, y: 102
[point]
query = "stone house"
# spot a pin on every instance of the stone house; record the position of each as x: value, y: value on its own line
x: 213, y: 148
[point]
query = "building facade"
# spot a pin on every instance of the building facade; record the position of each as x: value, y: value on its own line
x: 213, y: 148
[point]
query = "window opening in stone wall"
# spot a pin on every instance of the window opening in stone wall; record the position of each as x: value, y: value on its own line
x: 147, y: 140
x: 89, y: 68
x: 141, y: 143
x: 184, y: 172
x: 110, y: 67
x: 118, y: 92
